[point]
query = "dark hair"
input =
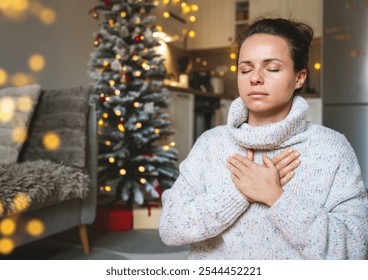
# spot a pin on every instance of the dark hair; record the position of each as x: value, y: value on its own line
x: 298, y: 35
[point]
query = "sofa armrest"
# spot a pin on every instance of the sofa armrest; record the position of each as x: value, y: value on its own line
x: 88, y: 206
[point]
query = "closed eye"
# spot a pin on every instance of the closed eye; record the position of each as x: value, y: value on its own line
x: 273, y: 70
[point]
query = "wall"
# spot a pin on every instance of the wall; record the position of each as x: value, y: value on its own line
x: 66, y: 44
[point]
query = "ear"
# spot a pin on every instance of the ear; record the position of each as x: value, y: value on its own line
x: 300, y: 79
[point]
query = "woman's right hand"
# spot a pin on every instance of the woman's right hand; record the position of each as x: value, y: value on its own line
x: 285, y: 163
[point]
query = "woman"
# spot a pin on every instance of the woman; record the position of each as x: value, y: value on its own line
x: 245, y: 211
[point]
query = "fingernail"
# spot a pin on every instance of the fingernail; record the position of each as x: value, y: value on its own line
x: 297, y: 154
x: 290, y: 151
x: 297, y: 161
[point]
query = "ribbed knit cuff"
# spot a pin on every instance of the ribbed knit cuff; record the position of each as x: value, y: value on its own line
x: 229, y: 204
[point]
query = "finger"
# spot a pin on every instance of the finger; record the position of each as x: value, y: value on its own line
x: 233, y: 169
x: 240, y: 160
x: 250, y: 154
x: 287, y: 160
x: 293, y: 165
x: 234, y: 179
x: 284, y: 180
x: 276, y: 159
x: 268, y: 162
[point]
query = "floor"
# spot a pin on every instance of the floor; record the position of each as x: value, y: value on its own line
x: 119, y: 245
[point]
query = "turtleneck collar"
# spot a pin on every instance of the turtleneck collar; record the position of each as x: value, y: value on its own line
x: 281, y: 134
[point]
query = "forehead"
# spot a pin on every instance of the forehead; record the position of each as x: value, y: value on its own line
x: 264, y: 45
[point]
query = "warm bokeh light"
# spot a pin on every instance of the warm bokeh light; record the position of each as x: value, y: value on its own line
x: 108, y: 143
x: 142, y: 181
x: 233, y: 55
x: 107, y: 189
x: 47, y: 16
x: 195, y: 8
x: 191, y: 34
x: 7, y: 226
x: 6, y: 246
x: 3, y: 77
x: 36, y: 62
x: 105, y: 115
x: 166, y: 2
x: 21, y: 202
x: 25, y: 103
x: 141, y: 169
x: 35, y: 227
x: 122, y: 172
x: 111, y: 159
x: 233, y: 68
x: 166, y: 14
x: 21, y: 79
x: 136, y: 104
x: 121, y: 127
x: 192, y: 18
x: 157, y: 131
x: 138, y: 125
x: 7, y: 107
x: 172, y: 144
x: 166, y: 148
x: 317, y: 66
x: 19, y: 134
x: 51, y: 141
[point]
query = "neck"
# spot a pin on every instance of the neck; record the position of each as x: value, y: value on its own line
x: 264, y: 118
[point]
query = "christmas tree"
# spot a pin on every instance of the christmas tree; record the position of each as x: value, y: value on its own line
x: 135, y: 159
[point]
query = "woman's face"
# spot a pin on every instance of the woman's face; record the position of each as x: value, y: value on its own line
x: 266, y: 78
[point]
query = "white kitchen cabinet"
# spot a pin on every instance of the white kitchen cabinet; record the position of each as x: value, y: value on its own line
x: 310, y: 11
x: 215, y: 25
x: 181, y: 112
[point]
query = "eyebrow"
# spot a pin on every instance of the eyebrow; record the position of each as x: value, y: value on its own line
x: 264, y: 61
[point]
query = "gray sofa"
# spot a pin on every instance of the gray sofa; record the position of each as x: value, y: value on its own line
x: 61, y: 183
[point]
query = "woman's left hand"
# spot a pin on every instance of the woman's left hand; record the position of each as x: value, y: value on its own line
x: 258, y: 183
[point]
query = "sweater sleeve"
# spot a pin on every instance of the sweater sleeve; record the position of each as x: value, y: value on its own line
x: 339, y: 230
x: 190, y: 213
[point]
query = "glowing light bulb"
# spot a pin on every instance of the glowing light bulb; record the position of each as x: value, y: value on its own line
x: 166, y: 14
x: 317, y: 66
x: 100, y: 122
x: 192, y: 19
x: 107, y: 188
x: 157, y: 131
x: 195, y: 8
x: 105, y: 115
x: 118, y: 113
x: 108, y: 143
x: 111, y: 82
x: 111, y: 159
x: 233, y: 55
x: 141, y: 169
x: 25, y: 104
x: 172, y: 144
x: 121, y: 127
x: 117, y: 92
x: 233, y: 68
x: 166, y: 148
x: 135, y: 57
x: 139, y: 125
x: 123, y: 14
x: 47, y: 16
x: 136, y: 104
x: 122, y: 172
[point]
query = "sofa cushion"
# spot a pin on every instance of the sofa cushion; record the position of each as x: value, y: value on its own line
x: 16, y: 109
x: 62, y: 115
x: 24, y: 184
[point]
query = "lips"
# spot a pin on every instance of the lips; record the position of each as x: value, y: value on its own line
x: 257, y: 93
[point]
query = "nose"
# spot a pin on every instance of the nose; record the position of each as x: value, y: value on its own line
x: 256, y: 78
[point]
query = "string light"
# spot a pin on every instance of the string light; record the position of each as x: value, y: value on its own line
x: 111, y: 82
x: 172, y: 144
x: 233, y: 68
x: 141, y: 169
x: 136, y: 104
x: 233, y: 56
x: 121, y: 127
x: 118, y: 113
x: 100, y: 122
x: 123, y: 14
x: 166, y: 148
x: 111, y: 23
x: 111, y: 159
x: 157, y: 131
x: 105, y: 115
x: 191, y: 34
x: 105, y: 63
x: 108, y: 143
x: 139, y: 125
x: 122, y: 172
x: 135, y: 57
x: 117, y: 92
x: 142, y: 181
x: 166, y: 14
x: 107, y: 188
x: 138, y: 73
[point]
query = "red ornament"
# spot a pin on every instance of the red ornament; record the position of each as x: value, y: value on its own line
x: 121, y: 122
x: 108, y: 2
x: 127, y: 77
x: 102, y: 98
x: 137, y: 39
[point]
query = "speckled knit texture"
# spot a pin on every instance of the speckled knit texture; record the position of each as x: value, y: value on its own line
x: 322, y: 214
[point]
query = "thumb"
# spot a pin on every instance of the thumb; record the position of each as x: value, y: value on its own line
x: 250, y: 154
x: 268, y: 162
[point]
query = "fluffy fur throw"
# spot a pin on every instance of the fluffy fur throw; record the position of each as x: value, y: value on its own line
x: 23, y: 184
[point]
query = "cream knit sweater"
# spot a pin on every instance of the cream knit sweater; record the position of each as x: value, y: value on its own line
x: 322, y: 214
